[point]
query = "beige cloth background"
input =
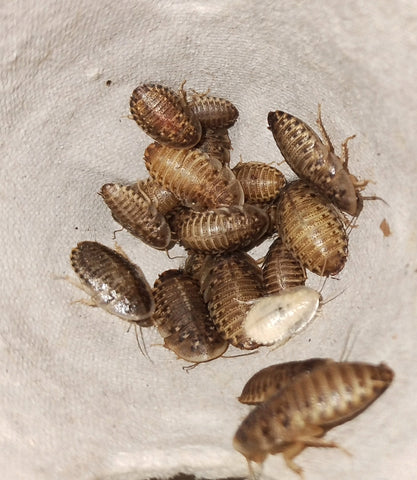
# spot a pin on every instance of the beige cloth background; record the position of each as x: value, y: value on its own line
x: 78, y: 400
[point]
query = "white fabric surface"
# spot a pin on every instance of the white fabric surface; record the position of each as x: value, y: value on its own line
x: 77, y: 398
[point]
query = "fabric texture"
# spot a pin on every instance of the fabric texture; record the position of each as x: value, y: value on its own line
x: 78, y: 399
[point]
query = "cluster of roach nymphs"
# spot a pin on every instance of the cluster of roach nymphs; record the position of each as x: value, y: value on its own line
x: 217, y: 213
x: 223, y: 296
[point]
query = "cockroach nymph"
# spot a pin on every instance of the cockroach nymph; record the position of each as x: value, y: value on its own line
x: 183, y: 320
x: 312, y: 229
x: 135, y: 212
x: 274, y: 319
x: 270, y: 380
x: 305, y: 409
x: 198, y: 181
x: 165, y: 116
x: 315, y: 161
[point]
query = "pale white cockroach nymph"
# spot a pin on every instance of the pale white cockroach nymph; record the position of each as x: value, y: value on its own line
x: 274, y: 319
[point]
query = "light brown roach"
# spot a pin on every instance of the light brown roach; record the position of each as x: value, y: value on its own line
x: 113, y: 282
x: 164, y: 200
x: 183, y: 320
x: 281, y: 269
x: 229, y: 283
x: 315, y: 161
x: 217, y: 144
x: 165, y: 116
x: 270, y: 380
x: 213, y: 112
x: 311, y: 228
x: 137, y: 214
x: 261, y: 183
x: 304, y: 410
x: 198, y: 181
x: 220, y: 230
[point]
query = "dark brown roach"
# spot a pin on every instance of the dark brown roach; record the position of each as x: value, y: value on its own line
x: 220, y: 230
x: 165, y: 116
x: 306, y: 408
x: 213, y: 112
x: 315, y: 161
x: 198, y: 181
x: 281, y: 269
x: 229, y: 283
x: 311, y: 228
x: 261, y: 183
x: 113, y: 282
x: 137, y: 214
x: 270, y: 380
x: 183, y: 320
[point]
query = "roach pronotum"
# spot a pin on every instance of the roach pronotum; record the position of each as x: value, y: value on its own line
x: 195, y: 179
x: 230, y: 282
x: 315, y: 161
x: 113, y: 282
x: 137, y: 214
x: 270, y: 380
x: 261, y: 183
x: 311, y: 228
x: 281, y: 269
x: 183, y: 320
x: 220, y: 230
x: 302, y: 411
x: 164, y: 115
x: 213, y: 112
x: 274, y: 319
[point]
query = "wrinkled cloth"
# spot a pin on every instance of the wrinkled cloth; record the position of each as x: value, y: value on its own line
x: 78, y: 400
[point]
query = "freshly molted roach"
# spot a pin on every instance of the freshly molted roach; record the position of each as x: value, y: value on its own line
x: 230, y: 283
x: 165, y: 116
x: 217, y: 144
x: 213, y: 112
x: 113, y: 282
x: 274, y: 319
x: 220, y: 230
x: 281, y: 269
x: 261, y: 183
x: 311, y: 228
x: 270, y: 380
x: 198, y: 181
x: 137, y: 214
x: 183, y: 320
x: 315, y: 161
x: 164, y: 200
x: 302, y: 412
